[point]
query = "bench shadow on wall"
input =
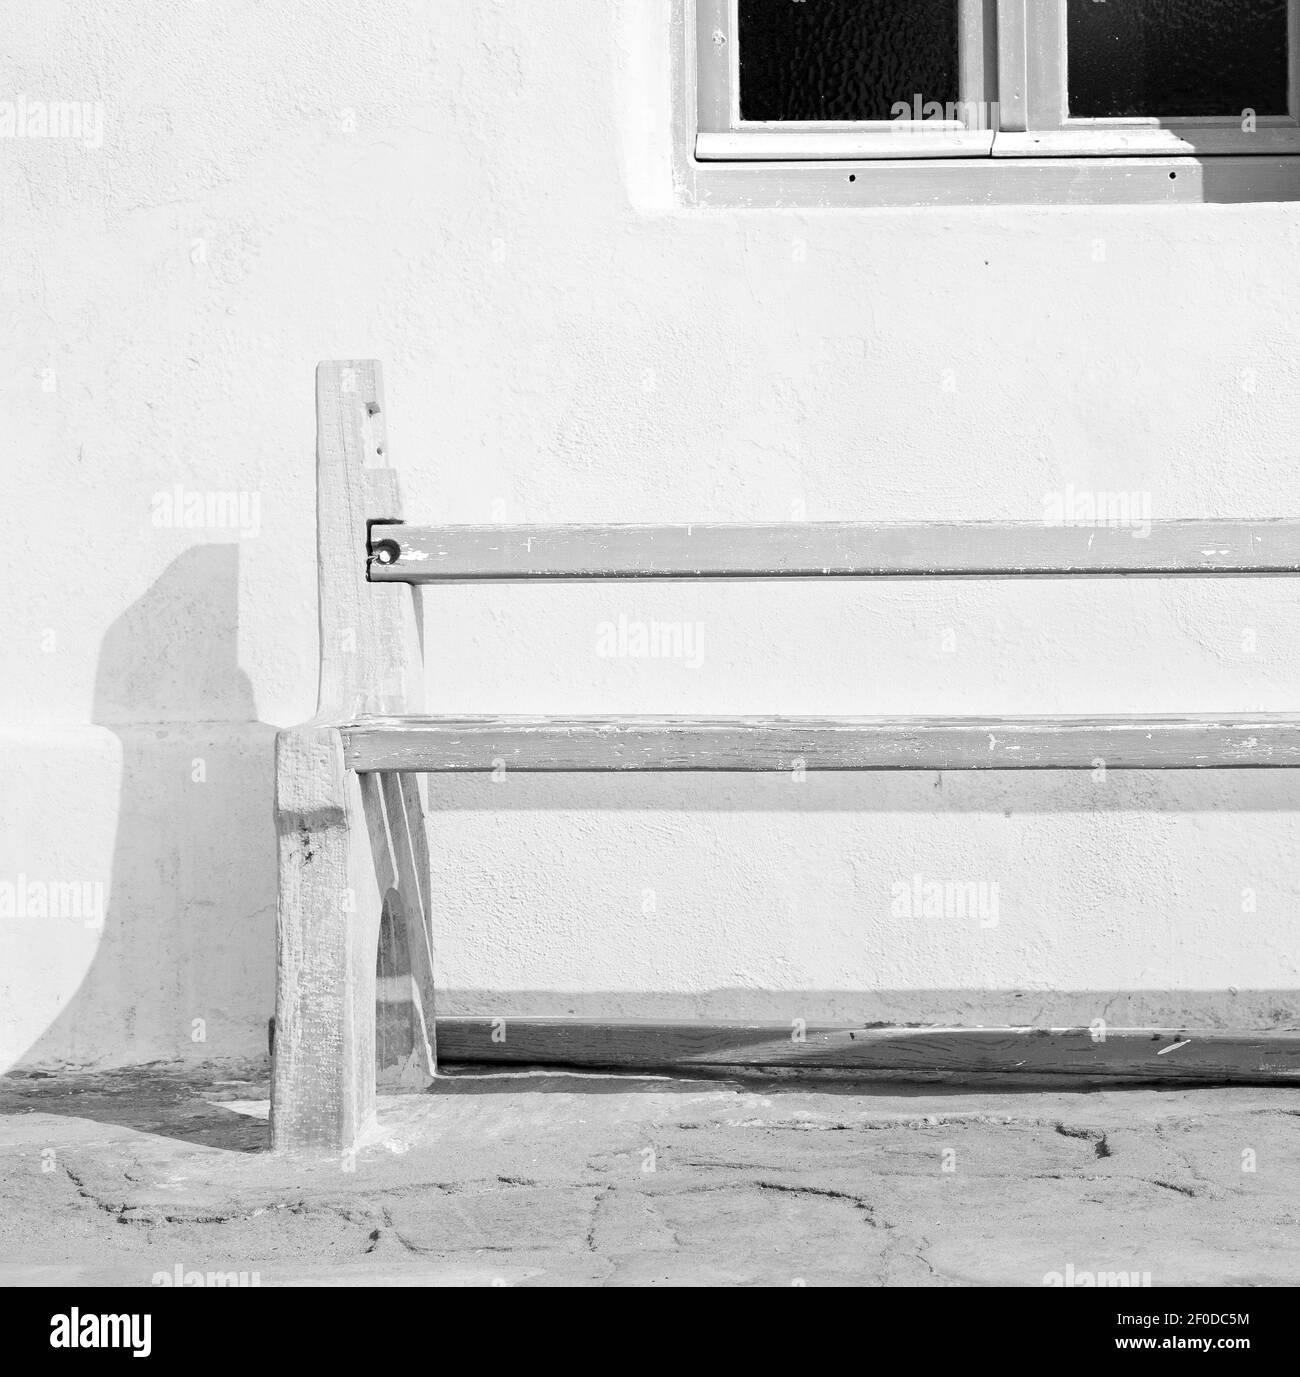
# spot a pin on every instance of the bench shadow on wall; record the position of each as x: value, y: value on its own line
x: 185, y: 962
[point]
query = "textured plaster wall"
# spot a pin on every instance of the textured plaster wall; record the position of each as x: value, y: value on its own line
x: 480, y: 195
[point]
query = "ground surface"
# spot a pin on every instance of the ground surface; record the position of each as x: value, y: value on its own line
x: 536, y: 1178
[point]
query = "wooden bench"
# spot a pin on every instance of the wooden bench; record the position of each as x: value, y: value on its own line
x: 353, y: 858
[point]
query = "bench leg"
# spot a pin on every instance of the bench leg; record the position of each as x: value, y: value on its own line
x: 405, y: 1046
x: 328, y: 921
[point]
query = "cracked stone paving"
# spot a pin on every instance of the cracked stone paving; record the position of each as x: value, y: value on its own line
x: 536, y: 1178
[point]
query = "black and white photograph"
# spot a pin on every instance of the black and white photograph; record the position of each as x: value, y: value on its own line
x: 650, y: 644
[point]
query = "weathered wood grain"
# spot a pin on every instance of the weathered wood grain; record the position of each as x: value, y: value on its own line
x: 439, y: 554
x: 394, y: 816
x: 327, y: 934
x: 441, y: 744
x: 369, y: 652
x: 347, y: 844
x: 1144, y: 1054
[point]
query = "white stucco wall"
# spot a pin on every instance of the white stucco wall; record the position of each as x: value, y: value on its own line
x: 479, y: 194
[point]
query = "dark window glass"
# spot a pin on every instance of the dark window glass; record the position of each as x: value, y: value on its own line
x: 1165, y: 58
x: 845, y: 59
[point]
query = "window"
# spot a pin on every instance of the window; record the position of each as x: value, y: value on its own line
x: 845, y: 78
x: 866, y: 80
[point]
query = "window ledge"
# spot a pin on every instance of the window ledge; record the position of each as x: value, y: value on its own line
x: 992, y: 181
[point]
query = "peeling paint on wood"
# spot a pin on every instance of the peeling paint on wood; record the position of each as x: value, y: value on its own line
x: 789, y: 744
x: 833, y: 549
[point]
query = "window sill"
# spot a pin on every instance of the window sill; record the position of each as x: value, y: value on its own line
x: 991, y: 181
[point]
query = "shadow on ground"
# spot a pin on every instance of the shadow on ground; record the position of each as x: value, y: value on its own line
x: 188, y: 1102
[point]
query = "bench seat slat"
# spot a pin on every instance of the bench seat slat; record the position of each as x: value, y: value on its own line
x: 439, y: 744
x: 838, y: 549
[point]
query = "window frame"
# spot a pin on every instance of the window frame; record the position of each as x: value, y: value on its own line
x: 1035, y: 62
x: 722, y: 136
x: 1010, y: 51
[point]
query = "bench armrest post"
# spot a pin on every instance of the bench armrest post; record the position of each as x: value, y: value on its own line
x: 353, y: 852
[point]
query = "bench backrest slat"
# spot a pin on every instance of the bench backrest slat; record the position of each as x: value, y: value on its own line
x: 838, y: 549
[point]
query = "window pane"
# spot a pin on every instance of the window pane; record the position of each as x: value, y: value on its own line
x: 845, y: 59
x: 1177, y: 57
